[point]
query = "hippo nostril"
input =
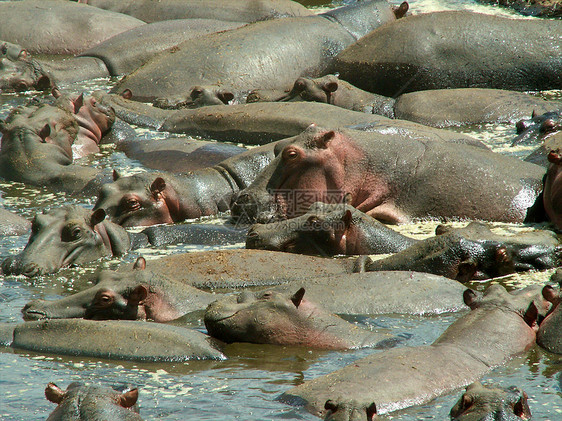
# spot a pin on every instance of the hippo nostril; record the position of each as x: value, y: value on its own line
x: 9, y: 266
x: 521, y: 126
x: 30, y: 270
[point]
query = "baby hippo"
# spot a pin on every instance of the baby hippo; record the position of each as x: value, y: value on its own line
x: 81, y: 402
x: 274, y: 318
x: 481, y: 403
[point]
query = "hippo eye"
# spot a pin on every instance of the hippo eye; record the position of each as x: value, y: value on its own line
x: 266, y: 295
x: 314, y: 222
x: 290, y: 154
x: 71, y: 233
x: 131, y: 204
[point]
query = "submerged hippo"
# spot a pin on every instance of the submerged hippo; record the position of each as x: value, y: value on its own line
x: 549, y: 336
x: 390, y: 178
x: 327, y: 230
x: 499, y: 326
x: 455, y: 49
x: 539, y: 127
x: 133, y: 295
x: 92, y: 403
x: 251, y: 58
x: 479, y: 403
x: 281, y: 319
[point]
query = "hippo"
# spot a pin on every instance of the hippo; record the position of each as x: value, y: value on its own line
x: 473, y: 252
x: 148, y: 199
x: 73, y: 235
x: 499, y: 326
x: 200, y: 96
x: 40, y: 142
x: 13, y: 224
x: 233, y: 10
x: 328, y: 229
x: 538, y: 8
x: 281, y: 319
x: 381, y: 171
x: 92, y: 402
x: 479, y: 403
x: 20, y: 73
x: 113, y: 339
x: 538, y: 128
x: 549, y: 336
x: 552, y: 198
x: 454, y: 49
x: 59, y: 27
x: 249, y: 57
x: 138, y: 294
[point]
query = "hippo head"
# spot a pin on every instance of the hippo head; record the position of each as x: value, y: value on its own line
x: 343, y: 410
x: 98, y: 401
x: 537, y: 128
x: 479, y: 403
x: 64, y: 236
x: 315, y: 90
x: 316, y: 166
x: 22, y: 74
x: 200, y: 96
x: 140, y: 199
x: 326, y: 229
x: 552, y: 192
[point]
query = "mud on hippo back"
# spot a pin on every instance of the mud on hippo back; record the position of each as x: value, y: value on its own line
x: 391, y: 178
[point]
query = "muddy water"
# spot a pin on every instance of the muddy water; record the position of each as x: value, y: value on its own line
x: 246, y: 385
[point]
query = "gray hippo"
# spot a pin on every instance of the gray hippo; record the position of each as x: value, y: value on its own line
x: 92, y: 402
x: 473, y: 252
x: 500, y: 326
x: 263, y: 55
x: 479, y: 403
x: 282, y: 319
x: 538, y: 8
x: 115, y: 339
x: 552, y: 195
x: 391, y: 179
x: 73, y: 235
x: 231, y: 10
x: 455, y: 49
x: 13, y: 224
x: 138, y: 294
x: 538, y: 128
x: 59, y: 27
x: 549, y: 336
x: 328, y: 229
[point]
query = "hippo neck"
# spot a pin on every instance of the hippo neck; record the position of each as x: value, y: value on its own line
x: 114, y: 237
x: 375, y: 237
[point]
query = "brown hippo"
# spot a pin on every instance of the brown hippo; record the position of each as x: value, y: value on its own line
x: 499, y: 326
x: 328, y: 229
x: 390, y: 178
x: 90, y: 403
x: 539, y: 127
x: 552, y: 194
x: 281, y: 319
x: 473, y: 252
x: 549, y: 336
x: 480, y: 403
x: 134, y: 295
x: 455, y: 49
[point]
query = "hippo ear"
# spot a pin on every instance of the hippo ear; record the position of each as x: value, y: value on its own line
x: 371, y: 411
x: 129, y: 398
x: 140, y: 264
x: 78, y: 103
x: 137, y: 295
x: 323, y: 140
x: 470, y: 298
x: 466, y: 270
x: 347, y: 198
x: 442, y: 229
x: 400, y: 11
x: 45, y: 132
x: 97, y: 216
x: 127, y: 94
x: 54, y: 394
x: 330, y: 405
x: 554, y: 157
x: 521, y: 407
x: 531, y: 316
x: 330, y: 86
x: 297, y: 297
x: 116, y: 175
x: 43, y: 83
x: 158, y: 186
x: 225, y: 96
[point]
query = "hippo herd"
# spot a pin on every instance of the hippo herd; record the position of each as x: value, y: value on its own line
x: 268, y: 155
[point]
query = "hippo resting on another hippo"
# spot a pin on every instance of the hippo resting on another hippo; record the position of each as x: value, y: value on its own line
x: 500, y: 326
x: 473, y: 252
x: 134, y: 295
x: 455, y: 49
x: 40, y: 142
x: 436, y: 108
x: 115, y: 339
x: 280, y: 319
x: 92, y: 403
x: 263, y: 55
x: 327, y: 230
x: 480, y: 403
x: 391, y: 178
x: 74, y: 235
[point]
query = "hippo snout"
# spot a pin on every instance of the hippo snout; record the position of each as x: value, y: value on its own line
x: 249, y: 208
x: 13, y: 266
x: 32, y: 311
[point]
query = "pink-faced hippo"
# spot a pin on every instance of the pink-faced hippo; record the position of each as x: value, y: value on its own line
x: 481, y: 403
x: 113, y: 339
x: 231, y: 10
x: 138, y: 294
x: 473, y: 252
x: 59, y: 27
x: 549, y: 336
x: 455, y: 49
x: 328, y: 229
x: 282, y: 319
x: 499, y: 326
x: 90, y: 403
x: 269, y: 54
x: 390, y: 178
